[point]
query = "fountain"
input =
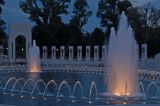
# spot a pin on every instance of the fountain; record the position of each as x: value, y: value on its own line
x: 122, y: 59
x: 65, y: 92
x: 81, y: 85
x: 34, y: 60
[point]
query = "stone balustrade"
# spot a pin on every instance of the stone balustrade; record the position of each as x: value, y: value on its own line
x: 71, y: 53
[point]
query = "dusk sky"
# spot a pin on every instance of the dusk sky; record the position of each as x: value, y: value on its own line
x: 12, y: 13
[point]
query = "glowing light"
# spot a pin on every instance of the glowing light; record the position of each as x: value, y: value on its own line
x: 58, y: 100
x: 34, y: 68
x: 34, y: 60
x: 12, y: 94
x: 122, y: 78
x: 124, y: 103
x: 33, y: 97
x: 90, y: 102
x: 22, y: 96
x: 127, y: 94
x: 22, y: 49
x: 73, y: 101
x: 121, y: 94
x: 44, y: 98
x: 117, y: 94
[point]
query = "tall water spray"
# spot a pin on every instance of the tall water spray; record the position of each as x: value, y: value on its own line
x: 122, y: 57
x: 34, y: 59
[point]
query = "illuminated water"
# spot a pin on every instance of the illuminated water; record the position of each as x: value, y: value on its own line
x: 122, y: 59
x: 66, y: 89
x: 34, y: 58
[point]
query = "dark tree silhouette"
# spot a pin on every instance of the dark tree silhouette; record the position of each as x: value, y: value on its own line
x: 80, y: 14
x: 98, y: 37
x: 145, y: 22
x: 150, y: 16
x: 45, y: 11
x: 47, y: 16
x: 109, y: 12
x: 3, y: 37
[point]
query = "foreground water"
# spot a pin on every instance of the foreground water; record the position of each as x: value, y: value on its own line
x: 38, y: 100
x: 34, y: 98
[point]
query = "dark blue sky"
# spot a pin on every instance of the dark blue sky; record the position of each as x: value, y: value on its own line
x: 12, y: 13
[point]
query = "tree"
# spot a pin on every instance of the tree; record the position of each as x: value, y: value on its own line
x: 3, y: 37
x: 150, y: 17
x: 124, y: 5
x: 97, y: 37
x: 47, y: 16
x: 80, y: 14
x: 109, y: 12
x: 45, y: 11
x: 1, y: 4
x: 135, y: 21
x: 145, y: 22
x: 2, y: 23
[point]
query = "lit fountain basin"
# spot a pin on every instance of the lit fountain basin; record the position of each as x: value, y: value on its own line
x: 34, y: 60
x: 122, y: 58
x: 11, y: 87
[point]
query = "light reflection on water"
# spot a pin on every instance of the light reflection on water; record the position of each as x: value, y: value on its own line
x: 71, y: 78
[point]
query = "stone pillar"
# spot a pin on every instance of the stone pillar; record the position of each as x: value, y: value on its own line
x: 79, y: 53
x: 144, y: 51
x: 11, y: 51
x: 104, y: 49
x: 96, y: 53
x: 144, y: 54
x: 70, y: 52
x: 44, y: 52
x: 53, y: 52
x: 28, y: 45
x: 62, y: 52
x: 88, y: 53
x: 14, y: 52
x: 1, y: 54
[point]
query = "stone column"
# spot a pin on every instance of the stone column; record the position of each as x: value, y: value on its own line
x: 70, y: 52
x: 96, y: 53
x: 144, y: 54
x: 13, y: 52
x: 62, y: 52
x: 53, y: 52
x: 28, y: 45
x: 144, y: 51
x: 1, y: 54
x: 44, y: 52
x: 88, y: 53
x: 79, y: 53
x: 104, y: 49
